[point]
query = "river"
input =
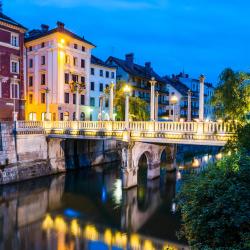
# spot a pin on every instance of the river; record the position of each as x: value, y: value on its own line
x: 87, y: 209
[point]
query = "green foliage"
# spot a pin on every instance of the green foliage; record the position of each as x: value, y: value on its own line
x: 232, y: 97
x: 215, y: 205
x: 137, y: 107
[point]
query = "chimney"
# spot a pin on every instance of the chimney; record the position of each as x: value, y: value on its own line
x: 148, y: 65
x: 44, y: 28
x: 129, y: 58
x: 60, y: 25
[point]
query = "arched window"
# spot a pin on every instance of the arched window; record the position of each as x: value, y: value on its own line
x: 82, y: 116
x: 66, y: 116
x: 32, y: 116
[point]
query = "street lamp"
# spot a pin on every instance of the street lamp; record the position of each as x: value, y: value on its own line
x: 173, y: 101
x: 127, y: 91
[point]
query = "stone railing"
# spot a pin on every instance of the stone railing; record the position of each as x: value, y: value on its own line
x: 174, y: 127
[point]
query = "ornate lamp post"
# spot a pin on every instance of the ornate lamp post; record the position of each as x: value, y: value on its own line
x: 47, y: 116
x: 189, y: 116
x: 127, y: 91
x: 152, y: 99
x: 156, y: 105
x: 173, y: 101
x: 201, y: 98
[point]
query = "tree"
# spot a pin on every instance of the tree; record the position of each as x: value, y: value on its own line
x: 137, y: 107
x: 215, y: 205
x: 232, y: 96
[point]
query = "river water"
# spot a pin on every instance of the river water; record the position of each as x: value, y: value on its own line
x: 87, y: 209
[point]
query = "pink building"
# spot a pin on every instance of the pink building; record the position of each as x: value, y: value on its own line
x: 12, y: 90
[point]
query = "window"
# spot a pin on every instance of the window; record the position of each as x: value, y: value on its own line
x: 112, y: 75
x: 14, y: 67
x: 82, y: 99
x: 92, y: 86
x: 83, y: 48
x: 30, y: 48
x: 101, y: 87
x: 61, y: 116
x: 92, y: 101
x: 75, y: 78
x: 67, y: 59
x: 106, y: 103
x: 74, y: 116
x: 75, y: 46
x: 66, y: 116
x: 66, y: 78
x: 106, y: 86
x: 43, y: 98
x: 30, y: 98
x: 42, y: 45
x: 31, y: 63
x: 92, y: 71
x: 75, y: 61
x: 14, y: 40
x: 82, y: 116
x: 74, y: 98
x: 42, y: 60
x: 32, y: 116
x: 14, y: 91
x: 107, y: 74
x: 30, y: 81
x: 82, y: 79
x: 101, y: 72
x: 82, y: 63
x: 66, y: 97
x: 43, y: 79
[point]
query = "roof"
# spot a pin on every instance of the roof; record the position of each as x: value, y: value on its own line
x: 9, y: 20
x: 97, y: 61
x: 175, y: 83
x: 36, y: 34
x: 135, y: 69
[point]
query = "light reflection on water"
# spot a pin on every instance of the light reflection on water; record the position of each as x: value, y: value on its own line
x: 89, y: 210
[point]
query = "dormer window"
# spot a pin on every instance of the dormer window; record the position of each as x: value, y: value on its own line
x: 14, y: 39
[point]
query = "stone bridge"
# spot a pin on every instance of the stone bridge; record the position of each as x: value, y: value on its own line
x: 46, y: 139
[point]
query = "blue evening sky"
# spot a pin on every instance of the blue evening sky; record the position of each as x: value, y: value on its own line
x: 197, y: 36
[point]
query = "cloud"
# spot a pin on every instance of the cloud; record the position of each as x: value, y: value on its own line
x: 105, y: 4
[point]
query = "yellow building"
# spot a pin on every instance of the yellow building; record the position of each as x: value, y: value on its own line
x: 55, y: 58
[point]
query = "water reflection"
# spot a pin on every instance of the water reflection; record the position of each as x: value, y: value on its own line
x: 89, y: 210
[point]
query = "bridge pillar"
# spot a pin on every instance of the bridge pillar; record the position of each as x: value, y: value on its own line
x: 131, y: 154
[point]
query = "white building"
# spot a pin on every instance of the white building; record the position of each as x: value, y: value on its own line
x: 101, y: 76
x: 55, y: 59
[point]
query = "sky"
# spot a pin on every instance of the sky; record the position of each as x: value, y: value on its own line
x: 194, y: 36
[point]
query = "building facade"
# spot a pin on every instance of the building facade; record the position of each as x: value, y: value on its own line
x: 139, y: 78
x: 12, y: 89
x: 179, y: 87
x: 56, y: 60
x: 101, y: 76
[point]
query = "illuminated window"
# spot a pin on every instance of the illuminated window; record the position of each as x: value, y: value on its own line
x: 30, y: 98
x: 14, y: 40
x: 43, y: 98
x: 32, y: 116
x: 75, y: 61
x: 67, y: 59
x: 66, y: 116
